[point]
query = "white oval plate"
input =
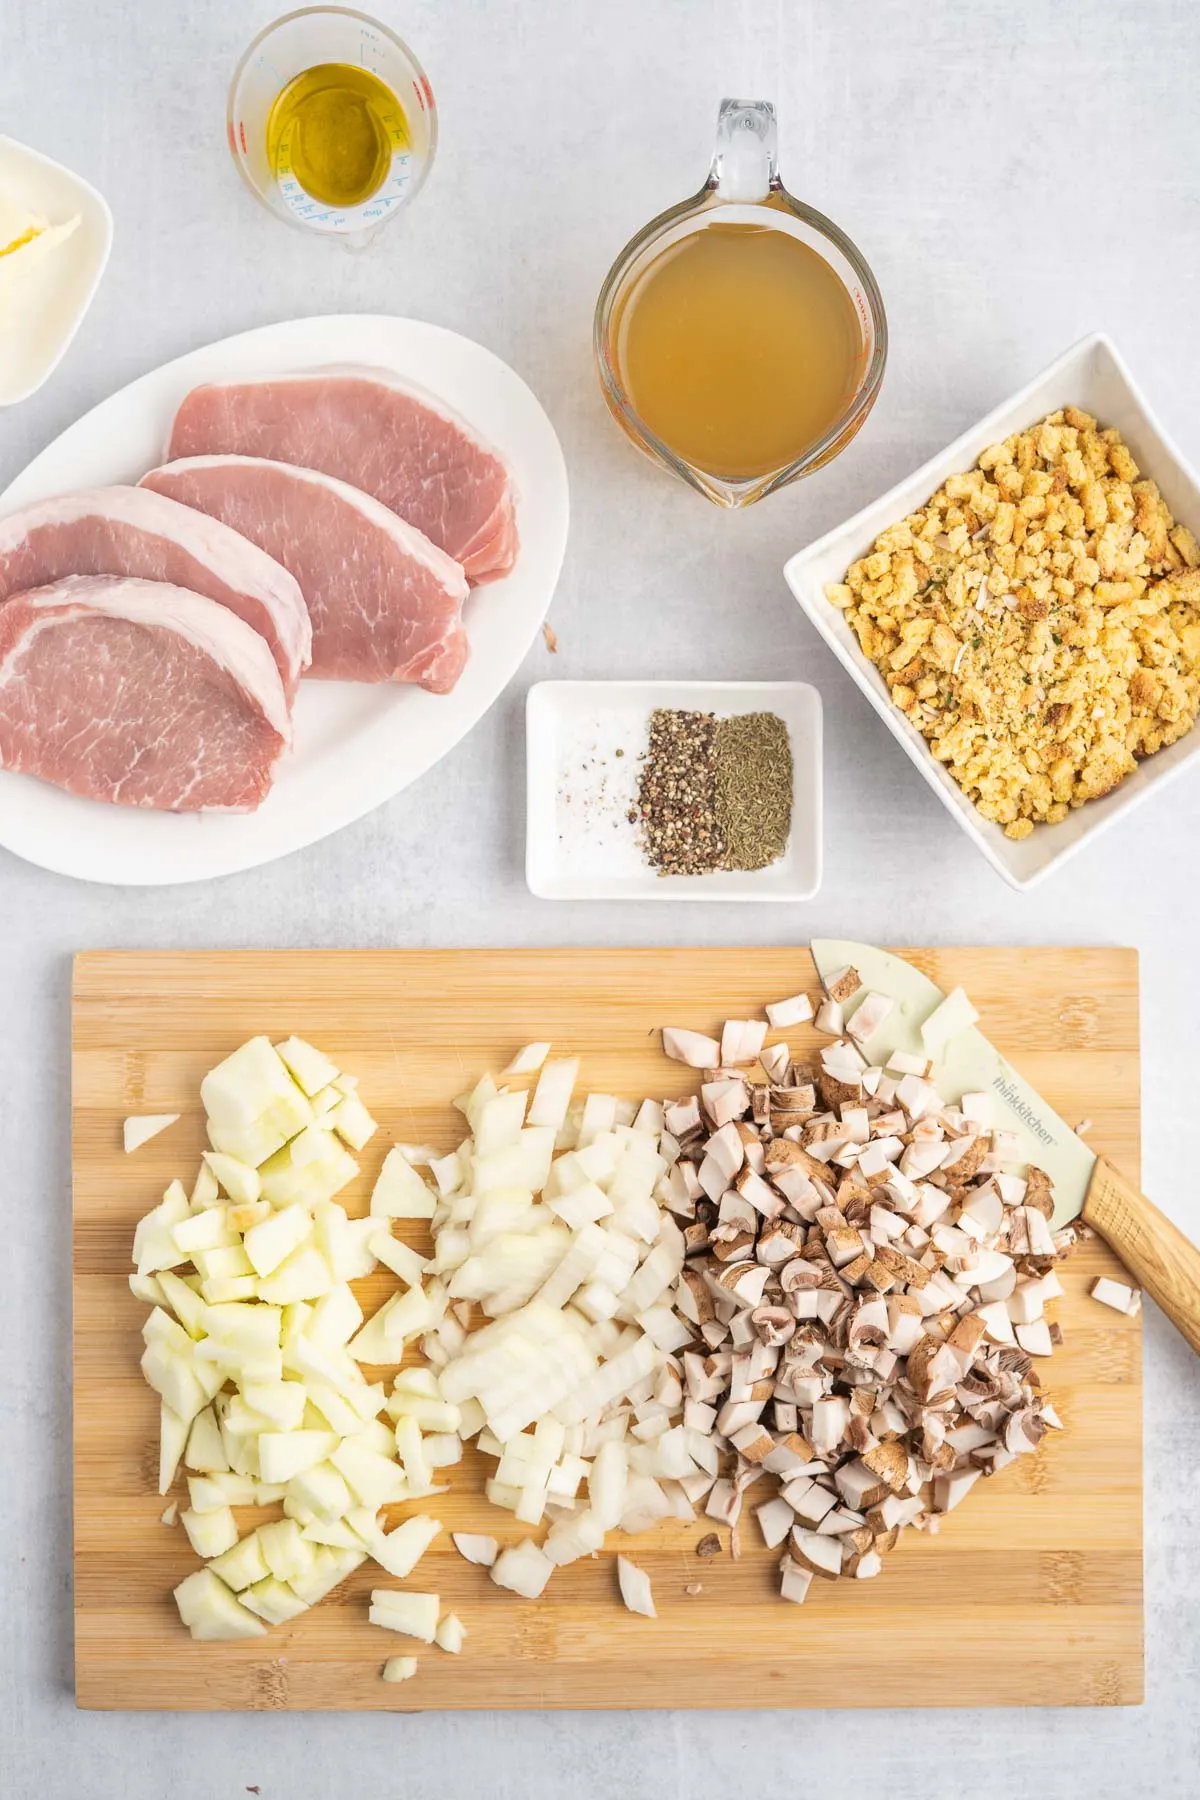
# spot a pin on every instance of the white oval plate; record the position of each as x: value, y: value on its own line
x: 355, y: 745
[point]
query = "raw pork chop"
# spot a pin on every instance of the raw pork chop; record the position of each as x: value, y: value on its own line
x: 385, y: 603
x: 139, y: 693
x: 367, y: 427
x: 130, y: 531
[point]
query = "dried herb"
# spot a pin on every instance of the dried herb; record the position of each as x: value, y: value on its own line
x: 677, y: 793
x: 754, y: 789
x: 714, y: 794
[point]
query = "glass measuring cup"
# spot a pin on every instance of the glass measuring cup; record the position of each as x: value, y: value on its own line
x: 743, y: 188
x: 304, y: 40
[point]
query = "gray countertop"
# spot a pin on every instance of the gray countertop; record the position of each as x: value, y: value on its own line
x: 1017, y: 174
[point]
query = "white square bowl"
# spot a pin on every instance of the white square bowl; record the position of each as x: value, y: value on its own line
x: 590, y: 852
x: 48, y: 308
x: 1092, y: 376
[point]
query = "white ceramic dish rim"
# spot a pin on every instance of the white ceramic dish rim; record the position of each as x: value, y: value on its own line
x: 103, y: 213
x: 1026, y: 862
x: 357, y: 746
x: 807, y: 791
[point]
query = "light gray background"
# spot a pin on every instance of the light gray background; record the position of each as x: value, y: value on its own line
x: 1017, y: 174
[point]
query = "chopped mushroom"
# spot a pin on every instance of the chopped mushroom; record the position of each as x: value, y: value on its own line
x: 1115, y: 1294
x: 690, y: 1047
x: 871, y: 1284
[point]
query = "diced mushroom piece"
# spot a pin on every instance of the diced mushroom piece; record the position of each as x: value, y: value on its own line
x: 794, y: 1581
x: 776, y: 1059
x: 820, y: 1555
x: 843, y: 984
x: 869, y: 1015
x: 1035, y: 1339
x: 725, y: 1101
x: 775, y: 1518
x: 682, y: 1117
x: 784, y: 1013
x: 948, y: 1490
x: 830, y: 1018
x: 830, y: 1417
x: 741, y: 1040
x: 1116, y: 1294
x: 690, y: 1047
x: 724, y: 1502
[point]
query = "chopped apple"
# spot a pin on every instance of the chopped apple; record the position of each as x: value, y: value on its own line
x: 241, y: 1182
x: 273, y: 1601
x: 336, y: 1317
x: 147, y: 1289
x: 283, y: 1454
x: 450, y: 1634
x: 172, y: 1441
x: 211, y: 1613
x: 312, y: 1167
x: 353, y: 1123
x: 243, y: 1564
x: 245, y: 1327
x: 343, y: 1242
x: 154, y: 1245
x: 272, y: 1242
x: 323, y: 1490
x: 206, y: 1190
x: 184, y: 1302
x: 373, y: 1478
x: 252, y: 1102
x: 304, y: 1276
x: 400, y: 1192
x: 207, y: 1230
x: 414, y: 1615
x: 397, y: 1551
x: 282, y: 1402
x: 210, y: 1533
x: 205, y: 1447
x: 284, y: 1550
x: 311, y: 1068
x: 173, y: 1379
x: 330, y: 1567
x: 139, y: 1129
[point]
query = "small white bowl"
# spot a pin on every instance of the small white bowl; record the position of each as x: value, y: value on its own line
x: 48, y: 307
x: 1091, y: 375
x: 584, y: 741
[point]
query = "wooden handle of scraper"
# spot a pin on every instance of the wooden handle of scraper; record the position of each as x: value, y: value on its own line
x: 1152, y: 1249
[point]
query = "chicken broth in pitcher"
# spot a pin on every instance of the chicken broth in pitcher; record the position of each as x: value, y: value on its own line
x: 739, y: 347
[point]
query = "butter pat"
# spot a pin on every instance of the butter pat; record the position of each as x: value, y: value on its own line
x: 26, y: 240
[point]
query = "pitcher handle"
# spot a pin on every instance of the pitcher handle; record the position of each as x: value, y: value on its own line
x: 744, y: 156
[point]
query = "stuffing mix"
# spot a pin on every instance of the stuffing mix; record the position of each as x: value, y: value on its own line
x: 1038, y: 622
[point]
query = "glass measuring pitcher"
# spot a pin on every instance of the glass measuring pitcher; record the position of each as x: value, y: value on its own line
x: 309, y: 40
x: 740, y: 338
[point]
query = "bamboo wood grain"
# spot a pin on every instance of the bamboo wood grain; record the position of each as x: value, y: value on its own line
x: 1154, y: 1250
x: 1029, y: 1594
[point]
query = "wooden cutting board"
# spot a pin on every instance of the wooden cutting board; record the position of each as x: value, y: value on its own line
x: 1030, y: 1594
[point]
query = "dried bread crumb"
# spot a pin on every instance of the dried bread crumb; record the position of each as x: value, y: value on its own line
x: 1038, y: 621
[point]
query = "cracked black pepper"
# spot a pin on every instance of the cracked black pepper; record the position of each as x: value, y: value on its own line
x: 714, y: 794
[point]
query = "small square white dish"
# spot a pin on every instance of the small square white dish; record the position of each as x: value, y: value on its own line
x: 48, y: 307
x: 584, y: 743
x: 1090, y: 375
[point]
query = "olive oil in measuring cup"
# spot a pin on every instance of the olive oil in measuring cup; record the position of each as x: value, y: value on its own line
x: 335, y: 130
x: 332, y: 122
